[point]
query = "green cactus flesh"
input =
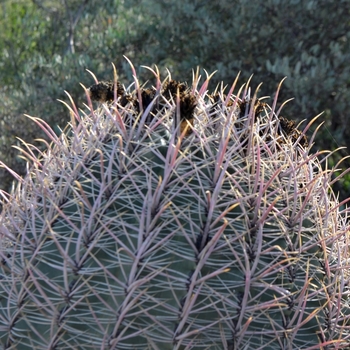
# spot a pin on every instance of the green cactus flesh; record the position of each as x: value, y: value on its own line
x: 171, y: 218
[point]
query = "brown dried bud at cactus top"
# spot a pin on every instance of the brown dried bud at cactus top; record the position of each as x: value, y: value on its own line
x: 104, y: 91
x: 147, y: 96
x: 171, y: 88
x: 258, y: 107
x: 188, y: 102
x: 289, y: 127
x: 175, y: 89
x: 243, y: 105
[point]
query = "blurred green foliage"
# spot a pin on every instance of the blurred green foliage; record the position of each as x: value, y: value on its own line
x: 47, y: 45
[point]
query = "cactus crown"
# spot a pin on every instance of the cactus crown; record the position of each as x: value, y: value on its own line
x: 171, y: 218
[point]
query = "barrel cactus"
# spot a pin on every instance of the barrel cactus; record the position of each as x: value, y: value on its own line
x: 168, y: 217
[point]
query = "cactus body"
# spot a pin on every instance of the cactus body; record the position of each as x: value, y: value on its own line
x: 169, y: 218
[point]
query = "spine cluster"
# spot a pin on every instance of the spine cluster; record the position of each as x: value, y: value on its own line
x: 169, y: 217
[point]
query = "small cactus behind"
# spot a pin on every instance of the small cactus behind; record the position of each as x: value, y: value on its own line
x: 173, y: 218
